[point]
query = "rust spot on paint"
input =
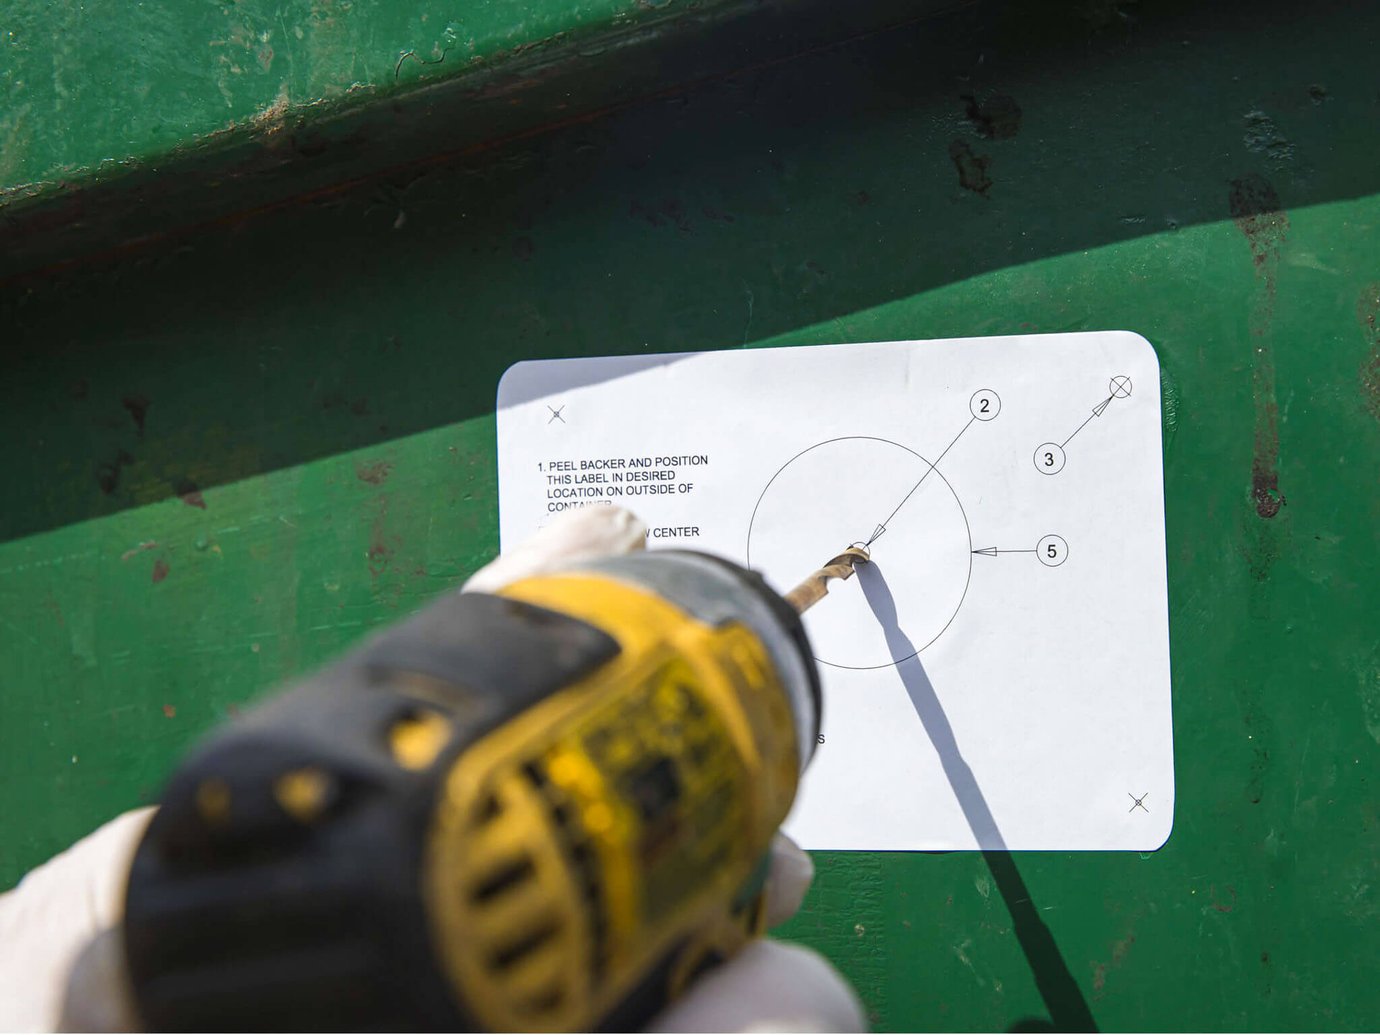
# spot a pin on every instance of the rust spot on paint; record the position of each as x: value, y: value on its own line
x: 375, y: 473
x: 1367, y: 309
x: 381, y: 544
x: 108, y: 473
x: 1223, y: 907
x: 1259, y: 215
x: 1370, y: 382
x: 1256, y: 207
x: 1264, y: 138
x: 138, y: 409
x: 996, y: 118
x: 1119, y: 950
x: 523, y: 248
x: 233, y: 710
x: 189, y: 493
x: 169, y: 711
x: 972, y: 168
x: 160, y: 570
x: 79, y: 389
x: 1099, y: 976
x: 360, y: 407
x: 146, y: 545
x: 1264, y: 485
x: 380, y: 555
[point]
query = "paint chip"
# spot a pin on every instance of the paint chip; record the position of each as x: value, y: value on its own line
x: 146, y: 545
x: 375, y: 473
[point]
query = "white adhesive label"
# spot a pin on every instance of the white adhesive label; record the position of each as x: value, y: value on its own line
x: 998, y: 676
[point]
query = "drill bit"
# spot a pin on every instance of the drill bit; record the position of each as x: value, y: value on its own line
x: 816, y: 585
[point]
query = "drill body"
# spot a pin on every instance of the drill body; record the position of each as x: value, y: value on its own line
x: 544, y: 809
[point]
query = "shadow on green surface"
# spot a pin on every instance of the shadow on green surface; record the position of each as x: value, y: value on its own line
x: 786, y: 194
x: 1068, y: 1010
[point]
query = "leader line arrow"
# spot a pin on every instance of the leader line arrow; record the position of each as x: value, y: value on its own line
x: 992, y: 551
x: 880, y: 530
x: 1097, y: 411
x: 1120, y: 388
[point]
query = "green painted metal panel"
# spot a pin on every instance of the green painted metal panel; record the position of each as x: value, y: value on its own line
x: 229, y: 452
x: 89, y: 90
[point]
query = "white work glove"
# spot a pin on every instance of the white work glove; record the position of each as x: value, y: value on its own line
x: 64, y: 913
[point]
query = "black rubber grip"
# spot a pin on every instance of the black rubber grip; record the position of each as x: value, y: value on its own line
x: 245, y: 916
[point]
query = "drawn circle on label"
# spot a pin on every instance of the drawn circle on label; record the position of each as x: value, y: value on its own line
x: 1052, y: 550
x: 1120, y: 386
x: 835, y: 493
x: 985, y: 404
x: 1049, y: 458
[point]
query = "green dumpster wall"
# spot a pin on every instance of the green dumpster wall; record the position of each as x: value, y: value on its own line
x: 230, y: 451
x: 92, y: 91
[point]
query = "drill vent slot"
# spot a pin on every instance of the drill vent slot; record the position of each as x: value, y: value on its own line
x: 514, y: 952
x: 526, y: 949
x: 581, y: 852
x: 508, y: 876
x: 544, y: 1001
x: 489, y: 809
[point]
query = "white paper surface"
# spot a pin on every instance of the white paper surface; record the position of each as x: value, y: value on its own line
x: 1015, y: 699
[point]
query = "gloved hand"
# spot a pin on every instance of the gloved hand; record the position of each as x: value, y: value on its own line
x: 60, y: 956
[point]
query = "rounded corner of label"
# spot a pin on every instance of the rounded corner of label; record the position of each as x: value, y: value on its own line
x: 506, y: 388
x: 1140, y: 341
x: 1160, y: 837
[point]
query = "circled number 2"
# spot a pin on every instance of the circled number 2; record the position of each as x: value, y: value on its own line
x: 985, y: 404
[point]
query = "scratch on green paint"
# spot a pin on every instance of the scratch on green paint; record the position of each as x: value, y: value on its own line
x: 88, y: 90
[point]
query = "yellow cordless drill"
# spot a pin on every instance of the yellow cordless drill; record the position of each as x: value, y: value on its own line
x: 546, y: 808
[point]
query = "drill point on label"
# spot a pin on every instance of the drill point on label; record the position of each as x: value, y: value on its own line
x: 816, y: 585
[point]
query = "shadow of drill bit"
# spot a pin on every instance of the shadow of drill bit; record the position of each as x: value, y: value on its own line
x: 1068, y: 1010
